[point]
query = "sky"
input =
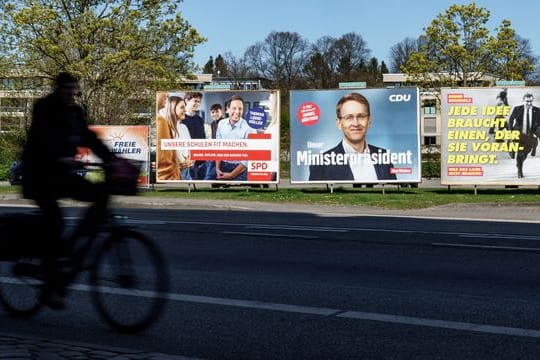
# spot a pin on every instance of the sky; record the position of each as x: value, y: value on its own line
x: 234, y: 25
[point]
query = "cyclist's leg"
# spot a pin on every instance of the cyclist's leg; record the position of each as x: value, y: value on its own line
x: 53, y: 288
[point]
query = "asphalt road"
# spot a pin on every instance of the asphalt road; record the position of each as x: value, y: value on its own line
x: 283, y: 284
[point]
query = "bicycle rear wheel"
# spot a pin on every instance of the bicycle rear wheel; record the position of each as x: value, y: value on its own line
x: 129, y: 281
x: 19, y: 291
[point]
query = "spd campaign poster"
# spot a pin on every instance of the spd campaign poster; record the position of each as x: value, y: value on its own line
x: 217, y: 136
x: 129, y: 142
x: 355, y: 136
x: 490, y: 136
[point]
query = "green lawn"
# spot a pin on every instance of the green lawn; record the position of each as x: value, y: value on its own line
x: 391, y: 198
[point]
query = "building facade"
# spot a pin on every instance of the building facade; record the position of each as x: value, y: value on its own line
x: 18, y: 92
x: 430, y: 115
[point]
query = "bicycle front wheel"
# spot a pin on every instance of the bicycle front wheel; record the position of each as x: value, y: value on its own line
x: 19, y: 289
x: 129, y: 281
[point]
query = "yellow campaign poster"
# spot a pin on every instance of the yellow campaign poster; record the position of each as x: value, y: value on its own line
x: 490, y: 136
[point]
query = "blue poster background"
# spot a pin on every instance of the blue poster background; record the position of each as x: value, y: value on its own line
x: 394, y: 126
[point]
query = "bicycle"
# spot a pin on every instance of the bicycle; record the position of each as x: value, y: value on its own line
x: 128, y: 276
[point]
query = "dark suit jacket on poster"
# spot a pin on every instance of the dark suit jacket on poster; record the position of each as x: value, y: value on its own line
x: 343, y: 172
x: 515, y: 121
x: 195, y: 125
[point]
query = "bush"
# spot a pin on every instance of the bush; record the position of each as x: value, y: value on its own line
x: 431, y: 169
x: 11, y: 146
x: 4, y: 172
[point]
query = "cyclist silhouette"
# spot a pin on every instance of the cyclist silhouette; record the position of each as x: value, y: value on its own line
x: 58, y: 128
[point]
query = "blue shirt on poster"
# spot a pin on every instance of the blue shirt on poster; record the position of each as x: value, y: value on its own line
x: 239, y: 130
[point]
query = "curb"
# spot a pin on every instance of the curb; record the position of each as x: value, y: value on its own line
x: 26, y: 347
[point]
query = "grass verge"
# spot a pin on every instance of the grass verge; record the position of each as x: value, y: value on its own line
x: 403, y: 198
x: 390, y: 198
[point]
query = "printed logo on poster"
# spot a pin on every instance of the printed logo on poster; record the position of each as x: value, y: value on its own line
x: 399, y: 97
x: 126, y: 141
x: 256, y: 118
x: 308, y: 114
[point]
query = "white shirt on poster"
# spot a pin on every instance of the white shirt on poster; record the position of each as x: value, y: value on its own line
x: 183, y: 133
x: 363, y: 169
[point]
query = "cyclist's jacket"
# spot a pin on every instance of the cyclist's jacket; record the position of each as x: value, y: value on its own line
x: 56, y: 131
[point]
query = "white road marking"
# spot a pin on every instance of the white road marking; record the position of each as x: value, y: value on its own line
x: 443, y: 324
x: 486, y: 247
x: 319, y: 311
x: 298, y: 227
x: 323, y: 311
x: 501, y: 236
x: 269, y: 234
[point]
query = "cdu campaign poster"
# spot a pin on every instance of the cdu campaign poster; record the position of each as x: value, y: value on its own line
x: 217, y: 136
x: 364, y: 136
x: 490, y: 136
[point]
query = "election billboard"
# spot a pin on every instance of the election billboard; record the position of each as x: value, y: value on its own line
x: 127, y: 141
x: 490, y: 136
x: 217, y: 136
x: 364, y: 136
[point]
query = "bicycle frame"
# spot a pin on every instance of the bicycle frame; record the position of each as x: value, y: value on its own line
x: 113, y: 253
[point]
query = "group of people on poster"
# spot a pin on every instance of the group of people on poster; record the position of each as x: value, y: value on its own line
x: 179, y: 118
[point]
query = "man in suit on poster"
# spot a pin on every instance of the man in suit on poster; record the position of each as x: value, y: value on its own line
x: 525, y: 119
x: 353, y: 119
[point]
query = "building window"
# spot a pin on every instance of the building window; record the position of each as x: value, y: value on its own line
x: 7, y: 84
x: 430, y: 140
x: 12, y: 105
x: 430, y: 110
x: 430, y: 126
x: 429, y: 107
x: 12, y: 123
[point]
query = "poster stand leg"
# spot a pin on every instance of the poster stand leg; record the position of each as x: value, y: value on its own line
x: 331, y: 187
x: 448, y: 188
x: 475, y: 190
x: 383, y: 189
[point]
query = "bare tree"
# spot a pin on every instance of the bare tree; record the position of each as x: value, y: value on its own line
x: 281, y: 57
x: 352, y: 55
x: 337, y: 59
x: 321, y: 68
x: 400, y: 52
x: 237, y: 67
